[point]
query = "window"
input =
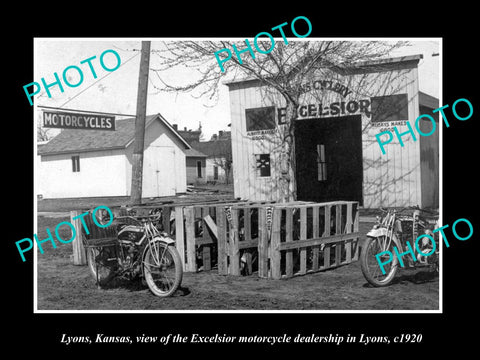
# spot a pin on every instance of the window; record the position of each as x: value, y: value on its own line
x: 215, y: 172
x: 260, y: 118
x: 321, y: 163
x: 76, y: 163
x: 390, y: 108
x: 199, y: 168
x: 263, y: 165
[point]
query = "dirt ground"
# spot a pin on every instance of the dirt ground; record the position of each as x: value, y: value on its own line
x: 64, y: 286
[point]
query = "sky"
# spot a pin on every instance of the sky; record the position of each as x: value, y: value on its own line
x: 116, y: 91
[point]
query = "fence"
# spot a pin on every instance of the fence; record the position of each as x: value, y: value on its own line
x: 239, y: 237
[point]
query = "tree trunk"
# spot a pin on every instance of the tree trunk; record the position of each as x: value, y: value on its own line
x: 288, y: 183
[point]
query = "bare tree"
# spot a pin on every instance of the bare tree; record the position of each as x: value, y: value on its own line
x: 283, y: 70
x: 222, y: 157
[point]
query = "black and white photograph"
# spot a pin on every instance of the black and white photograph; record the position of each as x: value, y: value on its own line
x: 262, y: 180
x: 255, y: 183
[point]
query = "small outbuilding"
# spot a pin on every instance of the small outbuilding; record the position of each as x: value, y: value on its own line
x: 91, y: 163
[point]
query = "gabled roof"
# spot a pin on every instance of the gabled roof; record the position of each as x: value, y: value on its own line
x: 69, y: 140
x: 215, y: 148
x: 194, y: 153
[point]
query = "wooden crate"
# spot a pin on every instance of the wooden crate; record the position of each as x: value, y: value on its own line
x: 308, y: 237
x: 208, y: 236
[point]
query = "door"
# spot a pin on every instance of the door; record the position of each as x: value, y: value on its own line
x: 329, y: 159
x: 159, y: 171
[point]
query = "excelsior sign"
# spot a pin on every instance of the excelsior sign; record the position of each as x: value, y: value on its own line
x: 68, y: 120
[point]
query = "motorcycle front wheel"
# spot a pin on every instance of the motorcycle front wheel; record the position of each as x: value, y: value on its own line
x: 162, y: 268
x: 371, y: 268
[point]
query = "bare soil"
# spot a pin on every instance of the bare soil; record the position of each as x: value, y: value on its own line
x: 64, y: 286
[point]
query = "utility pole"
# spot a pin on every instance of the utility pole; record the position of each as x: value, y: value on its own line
x: 137, y: 167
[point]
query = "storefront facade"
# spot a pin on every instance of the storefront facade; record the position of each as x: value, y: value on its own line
x: 336, y: 153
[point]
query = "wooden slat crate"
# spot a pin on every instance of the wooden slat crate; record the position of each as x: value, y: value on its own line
x: 213, y: 235
x: 240, y: 237
x: 307, y: 238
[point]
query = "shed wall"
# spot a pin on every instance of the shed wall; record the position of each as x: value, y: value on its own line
x: 392, y: 179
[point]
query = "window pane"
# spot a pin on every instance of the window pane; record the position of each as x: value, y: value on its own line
x: 321, y: 163
x: 199, y: 169
x: 76, y: 163
x: 263, y: 164
x: 260, y: 118
x: 390, y: 108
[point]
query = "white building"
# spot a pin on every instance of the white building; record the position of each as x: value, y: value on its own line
x: 88, y: 163
x: 336, y: 153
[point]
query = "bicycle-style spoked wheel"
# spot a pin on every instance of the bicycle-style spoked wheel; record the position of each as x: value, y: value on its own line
x: 100, y: 263
x: 370, y: 265
x: 162, y: 268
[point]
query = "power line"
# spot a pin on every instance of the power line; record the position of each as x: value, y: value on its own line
x: 88, y: 87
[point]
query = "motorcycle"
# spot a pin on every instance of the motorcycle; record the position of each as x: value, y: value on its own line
x: 139, y: 250
x: 395, y: 229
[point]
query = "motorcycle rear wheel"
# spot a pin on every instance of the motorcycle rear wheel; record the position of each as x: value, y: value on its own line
x: 100, y: 265
x: 370, y: 265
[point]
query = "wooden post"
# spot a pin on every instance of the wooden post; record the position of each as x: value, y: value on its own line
x: 206, y: 248
x: 303, y: 236
x: 137, y: 157
x: 179, y: 234
x: 275, y: 253
x: 190, y: 237
x: 79, y: 253
x: 166, y: 210
x: 233, y: 244
x: 221, y: 240
x: 262, y: 243
x: 348, y: 230
x: 355, y: 229
x: 338, y: 231
x: 315, y: 234
x: 289, y: 238
x: 326, y: 249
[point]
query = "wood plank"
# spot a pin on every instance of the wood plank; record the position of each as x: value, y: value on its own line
x: 166, y: 210
x: 356, y: 220
x: 234, y: 249
x: 253, y: 243
x: 303, y: 236
x: 275, y: 254
x: 338, y: 230
x: 190, y: 238
x: 79, y: 253
x: 247, y: 224
x: 327, y: 240
x: 221, y: 241
x: 206, y: 248
x: 180, y: 235
x: 289, y: 238
x: 326, y: 249
x: 315, y: 234
x: 348, y: 230
x: 211, y: 225
x: 262, y: 243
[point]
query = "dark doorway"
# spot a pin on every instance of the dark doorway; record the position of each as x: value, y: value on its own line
x: 329, y: 159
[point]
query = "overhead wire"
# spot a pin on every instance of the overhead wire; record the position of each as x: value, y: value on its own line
x: 88, y: 87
